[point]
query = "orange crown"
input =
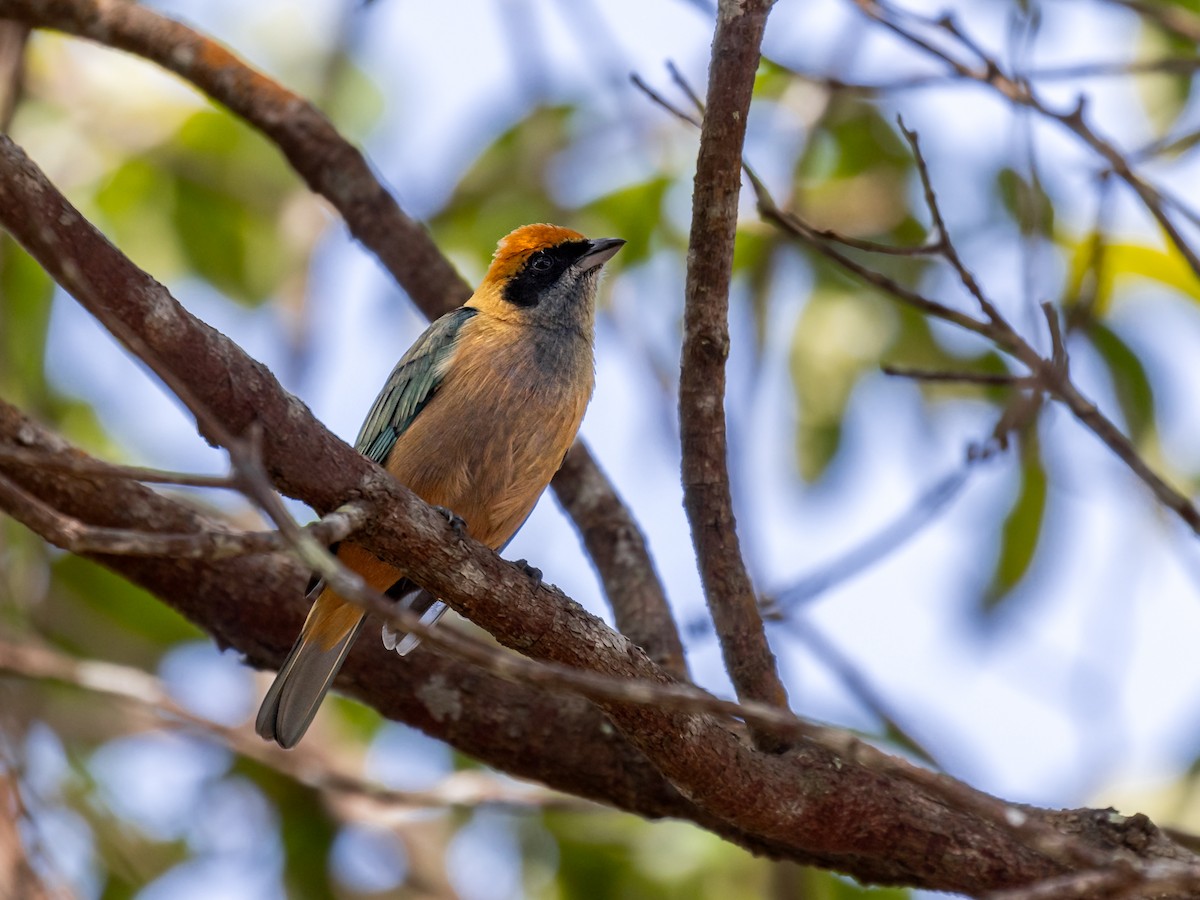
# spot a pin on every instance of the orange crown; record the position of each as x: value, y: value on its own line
x: 517, y: 246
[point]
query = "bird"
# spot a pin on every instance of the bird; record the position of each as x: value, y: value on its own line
x: 475, y: 418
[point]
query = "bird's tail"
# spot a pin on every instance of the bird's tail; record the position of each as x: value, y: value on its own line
x: 309, y: 670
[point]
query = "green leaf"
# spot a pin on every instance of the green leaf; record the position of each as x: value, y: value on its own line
x: 838, y: 337
x: 753, y: 264
x: 505, y: 187
x: 633, y: 212
x: 360, y: 721
x: 856, y: 138
x: 1022, y: 526
x: 1132, y: 385
x: 353, y: 102
x: 136, y: 204
x: 218, y: 149
x: 305, y: 826
x: 854, y: 175
x: 1026, y: 202
x: 26, y: 292
x: 211, y: 228
x: 95, y: 608
x: 1119, y: 262
x: 771, y: 80
x: 208, y: 202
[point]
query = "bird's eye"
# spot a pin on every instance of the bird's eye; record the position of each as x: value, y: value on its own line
x: 542, y: 263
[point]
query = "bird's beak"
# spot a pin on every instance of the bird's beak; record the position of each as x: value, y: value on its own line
x: 600, y: 252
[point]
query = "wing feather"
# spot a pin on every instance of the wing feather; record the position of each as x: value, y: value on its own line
x: 411, y: 385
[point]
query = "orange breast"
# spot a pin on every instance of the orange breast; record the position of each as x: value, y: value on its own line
x: 495, y: 433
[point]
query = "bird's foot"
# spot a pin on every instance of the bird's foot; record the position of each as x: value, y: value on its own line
x: 532, y: 571
x: 457, y: 523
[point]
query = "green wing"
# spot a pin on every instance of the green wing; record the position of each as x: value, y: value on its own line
x: 411, y: 385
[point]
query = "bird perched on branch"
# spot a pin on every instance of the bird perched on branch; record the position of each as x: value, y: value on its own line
x: 476, y: 418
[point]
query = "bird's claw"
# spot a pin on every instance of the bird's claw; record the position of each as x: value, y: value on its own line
x: 457, y: 523
x: 532, y: 571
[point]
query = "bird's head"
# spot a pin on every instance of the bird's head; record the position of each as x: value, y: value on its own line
x: 547, y: 276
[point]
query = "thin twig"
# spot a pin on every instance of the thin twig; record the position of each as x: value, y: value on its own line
x: 1021, y: 92
x: 939, y: 375
x: 803, y: 591
x: 662, y: 101
x: 1049, y: 375
x: 863, y: 691
x: 943, y: 243
x: 89, y: 466
x: 688, y: 91
x: 1182, y: 65
x: 81, y: 538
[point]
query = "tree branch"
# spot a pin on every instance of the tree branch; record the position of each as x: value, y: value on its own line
x: 338, y: 171
x: 255, y: 604
x: 832, y: 800
x: 613, y: 540
x: 707, y: 497
x: 245, y: 602
x: 850, y: 807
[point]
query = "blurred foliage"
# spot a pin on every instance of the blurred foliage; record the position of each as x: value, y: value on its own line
x: 621, y: 857
x: 853, y: 175
x: 306, y: 831
x: 25, y: 291
x: 206, y: 199
x: 91, y: 605
x: 208, y: 202
x: 1135, y: 393
x: 1022, y: 526
x: 1122, y: 263
x: 1026, y: 202
x: 506, y: 184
